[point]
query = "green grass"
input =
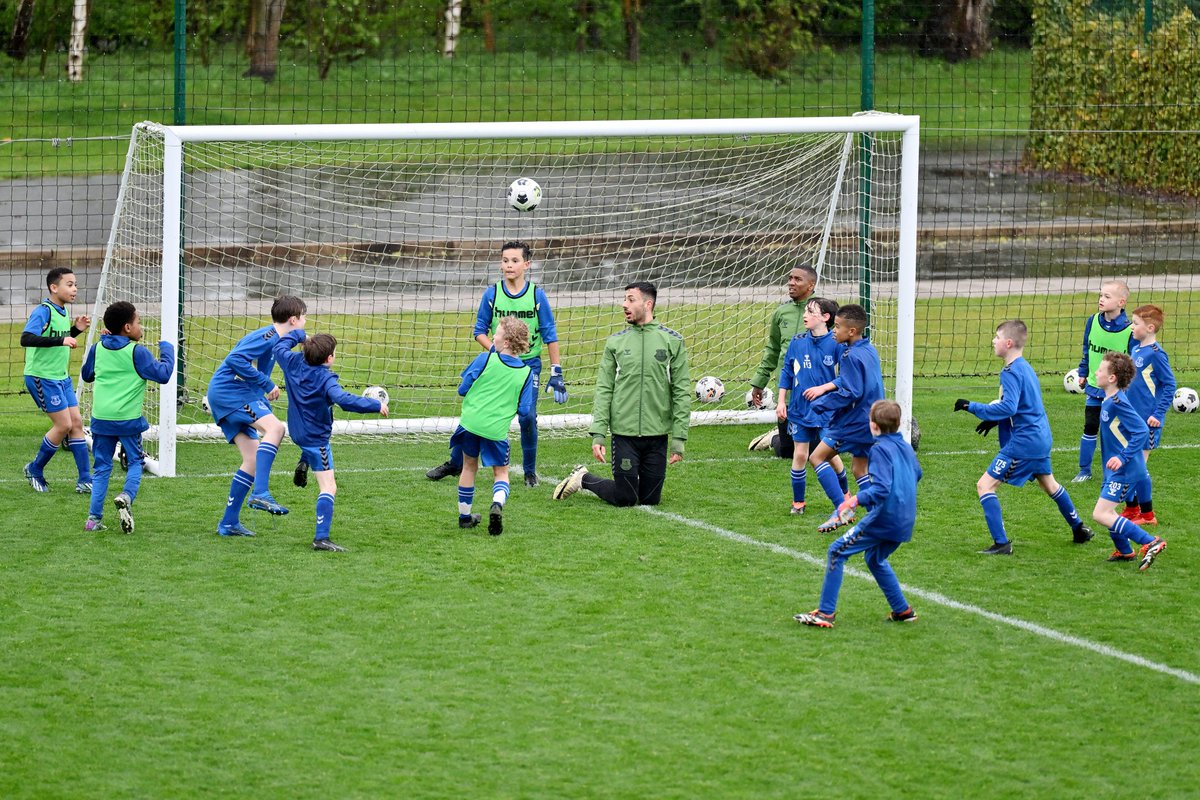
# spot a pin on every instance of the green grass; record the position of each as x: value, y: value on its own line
x: 589, y: 651
x: 989, y: 94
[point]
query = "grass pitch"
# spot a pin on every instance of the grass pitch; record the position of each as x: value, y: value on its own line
x: 591, y: 651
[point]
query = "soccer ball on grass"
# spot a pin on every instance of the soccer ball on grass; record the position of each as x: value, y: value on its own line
x: 768, y: 399
x: 709, y: 389
x: 1186, y: 401
x: 1071, y: 382
x: 376, y: 393
x: 524, y: 194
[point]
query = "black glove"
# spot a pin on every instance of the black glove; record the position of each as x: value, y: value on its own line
x: 961, y: 405
x: 985, y: 426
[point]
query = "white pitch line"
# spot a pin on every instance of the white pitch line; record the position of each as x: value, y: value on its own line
x: 939, y: 599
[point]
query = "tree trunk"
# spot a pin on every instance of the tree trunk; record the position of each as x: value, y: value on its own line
x: 588, y: 37
x: 18, y: 43
x: 489, y: 27
x: 962, y: 30
x: 453, y: 24
x: 262, y: 38
x: 77, y: 46
x: 631, y: 10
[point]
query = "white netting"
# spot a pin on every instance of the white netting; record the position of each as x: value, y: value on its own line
x: 392, y: 242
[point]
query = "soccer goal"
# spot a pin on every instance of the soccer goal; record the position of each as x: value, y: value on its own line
x: 391, y: 233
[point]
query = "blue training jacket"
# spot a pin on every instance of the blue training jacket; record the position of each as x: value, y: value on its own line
x: 891, y: 496
x: 312, y: 393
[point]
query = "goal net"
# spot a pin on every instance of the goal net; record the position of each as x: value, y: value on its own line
x: 391, y: 233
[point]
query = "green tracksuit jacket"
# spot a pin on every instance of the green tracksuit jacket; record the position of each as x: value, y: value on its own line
x: 643, y: 387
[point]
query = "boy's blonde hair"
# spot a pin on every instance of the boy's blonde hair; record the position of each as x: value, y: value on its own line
x: 1016, y: 330
x: 886, y: 415
x: 514, y: 334
x: 1121, y: 286
x: 1151, y: 315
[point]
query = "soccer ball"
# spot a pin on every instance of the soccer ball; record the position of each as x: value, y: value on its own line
x: 914, y: 434
x: 1071, y: 382
x: 767, y: 399
x: 1186, y: 401
x: 524, y: 194
x: 709, y: 389
x: 204, y: 405
x: 376, y: 393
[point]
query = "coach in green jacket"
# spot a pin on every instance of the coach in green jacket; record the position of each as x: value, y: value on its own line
x: 644, y: 398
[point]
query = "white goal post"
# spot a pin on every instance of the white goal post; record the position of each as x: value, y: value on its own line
x: 390, y: 233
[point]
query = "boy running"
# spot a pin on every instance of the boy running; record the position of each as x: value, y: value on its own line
x: 239, y: 395
x: 48, y: 338
x: 496, y: 386
x: 847, y: 400
x: 891, y: 500
x: 313, y: 390
x: 1025, y: 439
x: 1150, y: 392
x: 120, y: 367
x: 1123, y: 437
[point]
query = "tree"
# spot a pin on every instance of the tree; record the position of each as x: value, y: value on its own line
x: 961, y: 29
x: 631, y: 12
x: 18, y: 43
x: 78, y: 42
x: 262, y: 38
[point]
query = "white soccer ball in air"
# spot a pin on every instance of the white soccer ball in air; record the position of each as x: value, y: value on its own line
x: 1071, y: 382
x: 709, y: 389
x: 767, y: 399
x: 524, y: 194
x: 376, y: 393
x: 1186, y: 401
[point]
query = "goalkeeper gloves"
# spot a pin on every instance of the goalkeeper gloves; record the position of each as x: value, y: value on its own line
x: 556, y: 384
x: 851, y: 502
x: 985, y: 426
x: 961, y: 405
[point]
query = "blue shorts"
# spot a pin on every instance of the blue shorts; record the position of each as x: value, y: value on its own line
x: 802, y: 433
x: 1113, y: 488
x: 489, y: 452
x: 319, y: 459
x: 1018, y: 471
x: 859, y: 449
x: 51, y: 395
x: 242, y: 420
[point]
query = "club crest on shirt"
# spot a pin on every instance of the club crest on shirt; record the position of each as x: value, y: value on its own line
x: 828, y: 360
x: 1104, y: 415
x: 660, y: 354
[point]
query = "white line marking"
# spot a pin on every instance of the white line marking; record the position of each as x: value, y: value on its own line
x: 939, y: 599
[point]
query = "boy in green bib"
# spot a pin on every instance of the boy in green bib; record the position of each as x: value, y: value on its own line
x: 497, y: 386
x: 120, y: 367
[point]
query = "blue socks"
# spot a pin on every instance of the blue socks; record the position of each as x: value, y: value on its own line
x: 829, y: 482
x: 1087, y: 450
x: 466, y: 496
x: 45, y: 452
x: 799, y: 481
x: 843, y: 482
x: 1066, y: 507
x: 991, y: 514
x: 1122, y: 531
x: 80, y: 451
x: 324, y: 516
x: 500, y: 492
x: 239, y: 487
x: 263, y: 461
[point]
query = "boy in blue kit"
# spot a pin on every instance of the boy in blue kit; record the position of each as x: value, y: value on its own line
x: 516, y: 296
x: 120, y: 367
x: 313, y: 390
x: 1150, y: 391
x: 239, y: 395
x: 1123, y: 436
x: 891, y: 502
x: 847, y: 401
x: 1106, y: 330
x: 811, y: 360
x: 1025, y: 439
x: 48, y: 338
x: 496, y: 386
